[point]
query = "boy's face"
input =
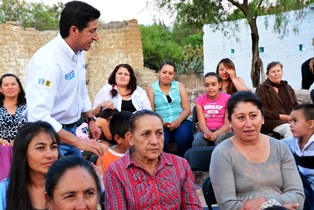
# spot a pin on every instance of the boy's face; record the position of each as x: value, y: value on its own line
x: 300, y: 127
x: 123, y: 141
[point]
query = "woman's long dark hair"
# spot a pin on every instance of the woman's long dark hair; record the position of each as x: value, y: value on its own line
x: 17, y: 196
x: 228, y: 63
x: 112, y: 79
x: 61, y: 166
x: 21, y: 96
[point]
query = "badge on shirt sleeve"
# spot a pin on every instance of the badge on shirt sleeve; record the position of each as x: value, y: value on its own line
x: 44, y: 82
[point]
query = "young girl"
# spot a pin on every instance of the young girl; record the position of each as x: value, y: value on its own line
x: 102, y: 122
x: 211, y: 111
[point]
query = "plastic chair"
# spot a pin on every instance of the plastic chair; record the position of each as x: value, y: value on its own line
x: 208, y: 192
x: 199, y: 157
x: 199, y: 160
x: 194, y: 119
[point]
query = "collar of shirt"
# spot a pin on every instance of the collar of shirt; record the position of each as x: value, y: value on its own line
x: 163, y: 161
x: 67, y: 49
x: 310, y: 141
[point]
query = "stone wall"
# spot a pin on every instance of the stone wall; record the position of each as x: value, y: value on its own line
x: 120, y: 42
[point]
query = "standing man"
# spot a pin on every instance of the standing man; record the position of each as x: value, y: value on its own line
x: 56, y: 89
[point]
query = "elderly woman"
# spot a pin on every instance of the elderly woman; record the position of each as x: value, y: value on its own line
x: 122, y: 92
x: 146, y: 177
x: 12, y: 107
x: 252, y: 170
x: 278, y: 99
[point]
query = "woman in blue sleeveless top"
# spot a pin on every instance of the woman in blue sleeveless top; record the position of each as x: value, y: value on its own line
x: 170, y: 100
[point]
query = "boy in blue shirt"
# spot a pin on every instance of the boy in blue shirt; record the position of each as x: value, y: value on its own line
x: 302, y: 146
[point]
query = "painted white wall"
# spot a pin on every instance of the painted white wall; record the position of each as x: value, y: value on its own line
x: 284, y: 50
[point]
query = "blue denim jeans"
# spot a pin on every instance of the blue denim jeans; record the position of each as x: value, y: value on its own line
x: 67, y: 149
x: 183, y: 137
x: 200, y: 141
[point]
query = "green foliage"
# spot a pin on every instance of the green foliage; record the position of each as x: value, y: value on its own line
x: 192, y: 61
x: 182, y: 46
x: 195, y: 40
x: 36, y: 15
x: 159, y: 46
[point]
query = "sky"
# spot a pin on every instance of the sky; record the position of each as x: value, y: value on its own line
x: 119, y: 10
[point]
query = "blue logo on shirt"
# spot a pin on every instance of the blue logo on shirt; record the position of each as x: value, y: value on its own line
x: 70, y: 75
x: 41, y: 81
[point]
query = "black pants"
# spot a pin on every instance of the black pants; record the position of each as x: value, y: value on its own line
x: 307, y: 75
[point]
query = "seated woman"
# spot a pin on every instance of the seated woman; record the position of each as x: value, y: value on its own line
x: 146, y: 177
x: 278, y: 99
x: 211, y: 112
x: 230, y: 82
x: 252, y: 170
x: 170, y: 100
x: 71, y: 183
x: 35, y: 149
x: 12, y: 107
x: 122, y: 92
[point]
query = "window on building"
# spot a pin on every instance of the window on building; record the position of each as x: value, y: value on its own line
x: 232, y: 51
x: 261, y: 49
x: 301, y: 48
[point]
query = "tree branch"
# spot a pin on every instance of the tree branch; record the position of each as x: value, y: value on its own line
x: 243, y: 7
x: 259, y: 5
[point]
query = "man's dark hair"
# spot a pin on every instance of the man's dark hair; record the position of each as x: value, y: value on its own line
x: 76, y: 13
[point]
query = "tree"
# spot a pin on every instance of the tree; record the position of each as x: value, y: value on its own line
x: 159, y: 45
x: 199, y: 12
x: 36, y: 15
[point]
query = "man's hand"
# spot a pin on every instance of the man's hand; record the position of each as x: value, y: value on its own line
x: 91, y: 145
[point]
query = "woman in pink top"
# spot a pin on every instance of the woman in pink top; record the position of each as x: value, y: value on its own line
x: 211, y: 111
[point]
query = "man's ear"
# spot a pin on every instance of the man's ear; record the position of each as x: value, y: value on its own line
x: 73, y: 31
